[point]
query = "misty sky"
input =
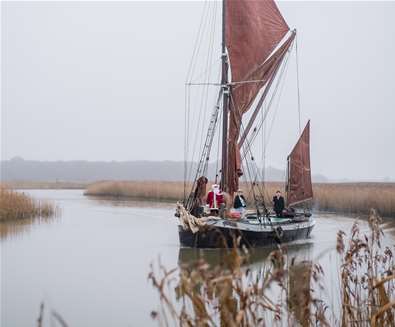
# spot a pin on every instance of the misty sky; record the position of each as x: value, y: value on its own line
x: 105, y: 81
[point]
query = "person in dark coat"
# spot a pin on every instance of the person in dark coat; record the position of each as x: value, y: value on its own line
x: 240, y: 200
x: 278, y: 204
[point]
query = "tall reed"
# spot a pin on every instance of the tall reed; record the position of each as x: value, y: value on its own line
x: 146, y: 190
x: 46, y: 185
x: 356, y: 197
x: 230, y: 294
x: 341, y: 197
x: 17, y: 205
x: 367, y: 277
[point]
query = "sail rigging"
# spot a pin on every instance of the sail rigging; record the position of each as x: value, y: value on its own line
x: 256, y: 46
x: 253, y: 31
x: 256, y: 43
x: 299, y: 187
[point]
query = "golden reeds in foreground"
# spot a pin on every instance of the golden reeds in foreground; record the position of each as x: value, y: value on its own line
x: 16, y: 205
x: 282, y: 295
x: 341, y: 197
x: 367, y: 276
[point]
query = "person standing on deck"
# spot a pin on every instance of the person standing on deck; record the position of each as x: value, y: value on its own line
x: 278, y: 204
x: 214, y: 199
x: 240, y: 203
x: 198, y: 197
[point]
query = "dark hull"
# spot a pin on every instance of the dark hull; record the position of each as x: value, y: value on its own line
x: 219, y: 237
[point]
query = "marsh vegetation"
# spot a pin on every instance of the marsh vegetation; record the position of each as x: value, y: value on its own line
x: 46, y: 185
x: 18, y: 205
x: 336, y: 197
x: 288, y: 292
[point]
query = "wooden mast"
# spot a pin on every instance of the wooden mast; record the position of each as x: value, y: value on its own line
x: 287, y: 184
x: 225, y: 105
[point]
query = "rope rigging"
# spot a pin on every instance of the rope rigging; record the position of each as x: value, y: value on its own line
x: 267, y: 134
x: 253, y: 181
x: 274, y: 93
x: 297, y: 81
x: 196, y: 119
x: 204, y: 91
x: 247, y: 151
x: 204, y: 157
x: 197, y: 145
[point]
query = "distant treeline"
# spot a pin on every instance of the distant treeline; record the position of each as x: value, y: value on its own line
x: 18, y: 169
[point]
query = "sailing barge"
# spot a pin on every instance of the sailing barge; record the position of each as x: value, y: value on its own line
x: 256, y: 44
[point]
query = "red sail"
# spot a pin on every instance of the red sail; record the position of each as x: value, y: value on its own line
x: 299, y: 188
x: 253, y: 30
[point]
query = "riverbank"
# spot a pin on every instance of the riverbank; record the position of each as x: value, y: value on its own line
x: 16, y: 205
x: 46, y: 185
x: 350, y: 198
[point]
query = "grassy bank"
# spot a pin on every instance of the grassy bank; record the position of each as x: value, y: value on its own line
x: 17, y: 205
x: 339, y: 197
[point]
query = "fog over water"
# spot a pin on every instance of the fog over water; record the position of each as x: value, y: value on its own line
x: 105, y: 81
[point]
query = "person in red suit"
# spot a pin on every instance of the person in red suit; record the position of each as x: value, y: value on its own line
x: 214, y: 199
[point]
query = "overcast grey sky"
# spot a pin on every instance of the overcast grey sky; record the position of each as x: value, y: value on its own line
x: 105, y: 81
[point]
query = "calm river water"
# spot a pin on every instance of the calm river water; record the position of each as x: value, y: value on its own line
x: 91, y: 263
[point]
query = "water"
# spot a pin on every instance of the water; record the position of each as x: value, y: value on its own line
x: 91, y: 263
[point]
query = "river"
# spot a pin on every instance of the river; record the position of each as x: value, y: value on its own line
x: 91, y: 263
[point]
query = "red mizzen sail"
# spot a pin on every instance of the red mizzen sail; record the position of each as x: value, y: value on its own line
x: 299, y: 188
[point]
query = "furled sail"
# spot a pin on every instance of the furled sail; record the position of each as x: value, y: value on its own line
x: 253, y: 31
x: 299, y: 188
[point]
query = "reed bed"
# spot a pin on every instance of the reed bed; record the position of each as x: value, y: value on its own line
x: 356, y: 198
x: 286, y: 293
x: 145, y: 190
x: 17, y: 205
x: 46, y: 185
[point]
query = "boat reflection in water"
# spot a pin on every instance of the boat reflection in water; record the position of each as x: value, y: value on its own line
x: 297, y: 261
x: 257, y: 257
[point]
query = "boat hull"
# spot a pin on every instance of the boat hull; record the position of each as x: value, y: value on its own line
x: 223, y: 234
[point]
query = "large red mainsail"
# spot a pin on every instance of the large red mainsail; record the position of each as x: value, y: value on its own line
x: 299, y: 188
x: 253, y: 31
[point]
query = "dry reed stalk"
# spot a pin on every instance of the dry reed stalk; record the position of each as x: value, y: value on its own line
x: 16, y: 205
x: 343, y: 197
x: 198, y: 294
x: 356, y: 197
x: 231, y: 295
x: 148, y: 190
x: 365, y: 268
x: 47, y: 185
